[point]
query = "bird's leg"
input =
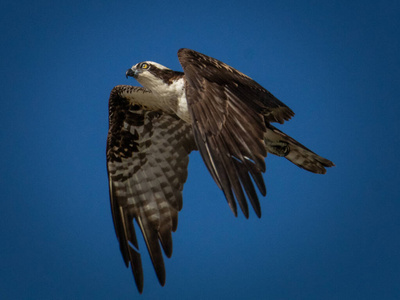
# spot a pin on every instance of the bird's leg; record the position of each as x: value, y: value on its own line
x: 278, y: 148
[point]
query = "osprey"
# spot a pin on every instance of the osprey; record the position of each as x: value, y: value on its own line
x: 210, y: 107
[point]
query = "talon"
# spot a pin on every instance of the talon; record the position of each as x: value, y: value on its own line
x: 277, y: 148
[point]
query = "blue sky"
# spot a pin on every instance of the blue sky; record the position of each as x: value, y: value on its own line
x: 335, y: 63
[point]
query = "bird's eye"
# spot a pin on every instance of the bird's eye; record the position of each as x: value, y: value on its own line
x: 144, y: 66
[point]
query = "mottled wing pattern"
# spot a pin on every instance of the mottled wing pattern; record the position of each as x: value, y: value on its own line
x: 147, y: 159
x: 228, y: 110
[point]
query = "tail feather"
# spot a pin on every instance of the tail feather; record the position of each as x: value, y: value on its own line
x: 279, y: 143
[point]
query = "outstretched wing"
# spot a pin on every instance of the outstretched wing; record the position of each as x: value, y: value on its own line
x: 147, y: 159
x: 229, y: 110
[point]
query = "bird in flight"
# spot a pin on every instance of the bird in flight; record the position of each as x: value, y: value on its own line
x: 210, y: 107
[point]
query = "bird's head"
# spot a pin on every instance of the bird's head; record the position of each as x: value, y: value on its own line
x: 149, y: 74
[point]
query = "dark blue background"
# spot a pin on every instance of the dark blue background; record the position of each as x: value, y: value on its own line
x: 335, y: 63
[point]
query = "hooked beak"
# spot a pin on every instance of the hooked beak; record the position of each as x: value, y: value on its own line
x: 131, y: 73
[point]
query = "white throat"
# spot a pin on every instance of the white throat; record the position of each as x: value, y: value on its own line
x: 171, y: 96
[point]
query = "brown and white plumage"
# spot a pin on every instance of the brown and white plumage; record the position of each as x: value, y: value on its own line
x: 210, y: 107
x: 147, y: 159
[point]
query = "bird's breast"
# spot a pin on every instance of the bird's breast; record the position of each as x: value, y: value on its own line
x: 173, y: 97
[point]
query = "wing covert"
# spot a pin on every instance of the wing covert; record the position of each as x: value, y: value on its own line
x: 197, y: 65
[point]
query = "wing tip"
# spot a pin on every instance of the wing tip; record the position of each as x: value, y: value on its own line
x: 139, y: 284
